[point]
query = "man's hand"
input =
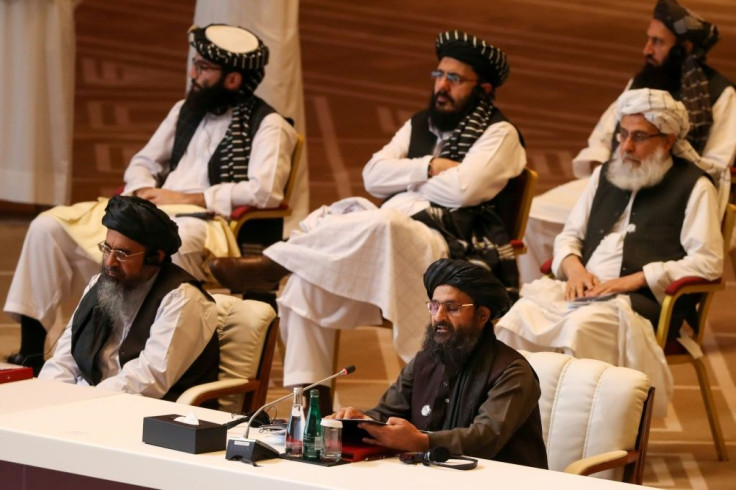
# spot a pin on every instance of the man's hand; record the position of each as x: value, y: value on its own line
x: 439, y: 165
x: 396, y: 434
x: 348, y: 413
x: 624, y: 284
x: 579, y: 279
x: 164, y: 196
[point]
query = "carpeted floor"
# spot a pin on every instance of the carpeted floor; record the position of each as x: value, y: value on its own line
x: 366, y: 69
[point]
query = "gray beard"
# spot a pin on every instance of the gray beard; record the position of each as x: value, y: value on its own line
x: 630, y: 178
x: 110, y: 296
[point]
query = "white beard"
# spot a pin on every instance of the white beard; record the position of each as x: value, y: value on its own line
x: 650, y: 172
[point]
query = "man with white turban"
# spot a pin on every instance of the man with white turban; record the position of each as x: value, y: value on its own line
x: 646, y: 218
x: 678, y: 42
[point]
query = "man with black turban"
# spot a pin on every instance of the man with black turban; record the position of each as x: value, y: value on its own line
x: 143, y: 325
x: 465, y: 390
x: 220, y: 148
x: 675, y: 60
x: 352, y: 263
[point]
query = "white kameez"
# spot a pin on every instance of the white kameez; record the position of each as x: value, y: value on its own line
x: 353, y: 263
x: 611, y: 330
x: 184, y: 323
x: 550, y: 210
x: 54, y: 267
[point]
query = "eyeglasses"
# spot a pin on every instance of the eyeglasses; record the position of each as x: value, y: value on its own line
x: 452, y: 78
x: 636, y: 137
x: 120, y: 255
x: 200, y: 66
x: 451, y: 308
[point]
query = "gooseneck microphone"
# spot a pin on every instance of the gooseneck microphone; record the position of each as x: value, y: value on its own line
x: 252, y: 450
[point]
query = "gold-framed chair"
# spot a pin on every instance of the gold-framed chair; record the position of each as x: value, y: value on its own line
x: 247, y: 332
x: 269, y: 221
x: 689, y: 348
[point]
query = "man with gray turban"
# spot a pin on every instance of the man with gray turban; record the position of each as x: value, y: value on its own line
x: 144, y: 325
x: 465, y: 390
x: 675, y: 60
x: 353, y: 263
x: 220, y: 148
x: 646, y: 219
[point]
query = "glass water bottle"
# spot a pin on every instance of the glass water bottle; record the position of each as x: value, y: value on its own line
x: 295, y: 430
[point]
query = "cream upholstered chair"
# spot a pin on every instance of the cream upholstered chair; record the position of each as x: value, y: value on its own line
x: 247, y: 330
x: 595, y: 416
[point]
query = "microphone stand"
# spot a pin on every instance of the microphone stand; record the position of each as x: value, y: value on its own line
x: 252, y: 450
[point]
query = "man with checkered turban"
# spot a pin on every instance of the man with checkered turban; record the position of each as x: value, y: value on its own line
x: 354, y: 263
x: 678, y: 42
x: 220, y: 148
x: 647, y: 218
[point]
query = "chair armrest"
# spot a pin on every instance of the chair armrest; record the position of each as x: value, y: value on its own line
x: 241, y: 211
x: 546, y: 268
x: 689, y: 281
x: 196, y: 395
x: 600, y: 462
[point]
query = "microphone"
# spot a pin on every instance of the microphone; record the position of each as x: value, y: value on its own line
x: 252, y: 450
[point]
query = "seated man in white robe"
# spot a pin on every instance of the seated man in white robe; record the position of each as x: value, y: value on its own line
x: 353, y: 263
x: 675, y: 60
x: 220, y: 148
x: 646, y: 219
x: 144, y: 325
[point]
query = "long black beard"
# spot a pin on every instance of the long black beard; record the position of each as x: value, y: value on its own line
x: 447, y: 121
x: 664, y: 77
x: 215, y: 99
x: 456, y: 350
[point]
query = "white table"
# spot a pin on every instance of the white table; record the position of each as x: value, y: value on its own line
x: 98, y: 434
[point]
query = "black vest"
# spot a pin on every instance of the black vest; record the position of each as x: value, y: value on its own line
x: 91, y: 330
x: 657, y: 212
x: 423, y: 141
x: 489, y: 360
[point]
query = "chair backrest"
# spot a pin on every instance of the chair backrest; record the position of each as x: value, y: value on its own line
x: 296, y: 157
x: 514, y: 202
x: 246, y: 351
x: 589, y: 407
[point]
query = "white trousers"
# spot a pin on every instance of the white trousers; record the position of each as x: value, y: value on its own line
x: 52, y: 268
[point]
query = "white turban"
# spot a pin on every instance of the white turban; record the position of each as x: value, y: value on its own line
x: 658, y: 107
x: 670, y: 117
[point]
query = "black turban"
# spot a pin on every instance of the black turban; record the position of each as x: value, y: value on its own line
x: 140, y: 220
x: 474, y: 280
x: 487, y: 60
x: 686, y: 25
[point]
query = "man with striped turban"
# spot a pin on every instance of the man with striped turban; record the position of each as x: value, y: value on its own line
x: 220, y: 148
x: 351, y: 268
x: 646, y: 219
x: 678, y: 42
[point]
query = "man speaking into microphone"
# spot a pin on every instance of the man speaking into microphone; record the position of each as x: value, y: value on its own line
x: 465, y: 390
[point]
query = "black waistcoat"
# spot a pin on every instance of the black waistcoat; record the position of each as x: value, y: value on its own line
x: 489, y: 360
x: 657, y: 213
x: 91, y: 330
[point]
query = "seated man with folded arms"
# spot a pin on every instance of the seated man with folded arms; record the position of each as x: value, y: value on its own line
x: 353, y: 263
x: 675, y: 60
x: 465, y: 390
x: 220, y: 148
x: 647, y: 218
x: 144, y: 325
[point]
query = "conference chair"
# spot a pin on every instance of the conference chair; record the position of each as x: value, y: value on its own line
x: 595, y: 416
x: 247, y: 331
x: 688, y: 347
x: 256, y: 228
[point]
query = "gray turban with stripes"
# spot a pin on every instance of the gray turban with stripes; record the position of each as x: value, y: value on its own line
x: 487, y: 60
x: 232, y: 47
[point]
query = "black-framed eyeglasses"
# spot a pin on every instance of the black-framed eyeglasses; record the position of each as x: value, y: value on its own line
x: 450, y: 307
x: 636, y: 137
x: 120, y: 255
x: 453, y: 78
x: 200, y: 66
